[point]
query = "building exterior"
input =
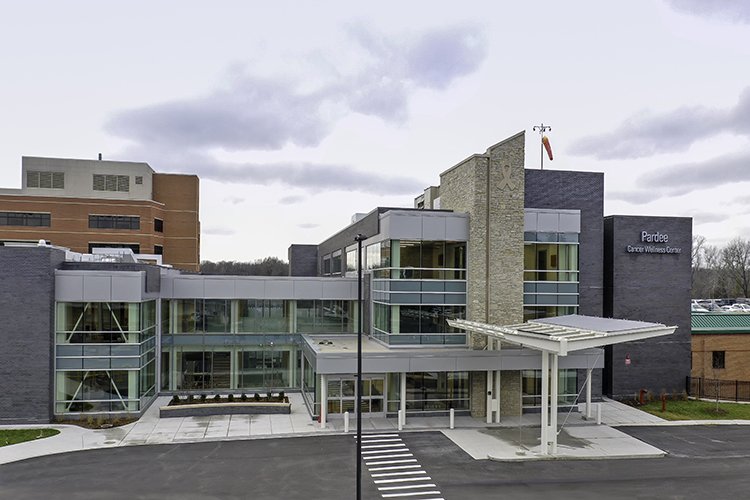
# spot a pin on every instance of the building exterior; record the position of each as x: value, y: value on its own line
x: 88, y: 204
x: 493, y: 243
x: 721, y: 346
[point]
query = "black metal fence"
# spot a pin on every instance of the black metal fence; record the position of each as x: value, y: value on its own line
x: 709, y: 388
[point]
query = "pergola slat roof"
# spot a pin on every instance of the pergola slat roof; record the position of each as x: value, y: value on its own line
x: 563, y: 334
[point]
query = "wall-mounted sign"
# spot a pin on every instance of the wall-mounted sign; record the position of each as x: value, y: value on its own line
x: 656, y: 237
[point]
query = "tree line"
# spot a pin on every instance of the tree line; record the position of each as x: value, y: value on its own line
x: 268, y: 266
x: 720, y: 271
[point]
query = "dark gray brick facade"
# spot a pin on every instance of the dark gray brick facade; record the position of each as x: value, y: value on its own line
x: 651, y: 287
x: 582, y: 191
x: 27, y: 299
x: 303, y: 260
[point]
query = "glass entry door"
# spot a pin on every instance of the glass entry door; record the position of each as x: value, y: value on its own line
x: 342, y: 396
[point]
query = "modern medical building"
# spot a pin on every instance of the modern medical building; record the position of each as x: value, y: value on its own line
x: 494, y: 244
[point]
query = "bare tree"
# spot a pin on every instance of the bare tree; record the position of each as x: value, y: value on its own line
x: 697, y: 256
x: 735, y: 259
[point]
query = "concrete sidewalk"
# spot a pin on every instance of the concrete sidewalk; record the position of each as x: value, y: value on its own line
x: 479, y: 439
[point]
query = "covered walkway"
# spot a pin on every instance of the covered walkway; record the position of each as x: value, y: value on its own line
x: 556, y: 337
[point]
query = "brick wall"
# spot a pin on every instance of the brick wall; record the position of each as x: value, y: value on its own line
x: 650, y: 287
x: 736, y: 356
x: 27, y: 294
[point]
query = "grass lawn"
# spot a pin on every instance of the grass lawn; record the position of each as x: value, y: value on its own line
x: 698, y: 410
x: 13, y: 436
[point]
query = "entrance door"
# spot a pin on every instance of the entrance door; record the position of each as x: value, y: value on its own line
x: 342, y: 396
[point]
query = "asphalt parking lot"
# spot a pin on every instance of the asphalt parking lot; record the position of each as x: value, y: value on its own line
x: 704, y: 462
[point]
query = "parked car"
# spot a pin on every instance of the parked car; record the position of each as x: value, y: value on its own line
x: 697, y: 309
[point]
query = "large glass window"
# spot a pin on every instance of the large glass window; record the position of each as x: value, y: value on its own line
x: 262, y: 316
x: 114, y: 222
x: 115, y: 367
x: 531, y: 387
x: 430, y: 391
x: 324, y: 316
x: 24, y: 219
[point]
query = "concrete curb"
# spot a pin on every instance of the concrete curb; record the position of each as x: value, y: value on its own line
x: 535, y: 458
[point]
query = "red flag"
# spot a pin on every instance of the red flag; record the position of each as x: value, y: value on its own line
x: 545, y: 143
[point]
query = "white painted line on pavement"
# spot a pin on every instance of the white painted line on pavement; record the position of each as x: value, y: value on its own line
x: 402, y: 473
x: 395, y: 467
x: 383, y: 450
x: 386, y: 462
x: 403, y: 479
x: 410, y: 494
x: 379, y: 457
x: 407, y: 487
x: 382, y: 445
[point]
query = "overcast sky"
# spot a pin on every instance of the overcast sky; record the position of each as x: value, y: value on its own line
x: 296, y: 115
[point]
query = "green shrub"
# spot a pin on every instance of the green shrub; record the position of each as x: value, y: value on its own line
x: 281, y: 396
x: 175, y: 400
x: 217, y: 399
x: 243, y: 397
x: 230, y: 398
x: 203, y: 398
x: 190, y: 398
x: 256, y: 396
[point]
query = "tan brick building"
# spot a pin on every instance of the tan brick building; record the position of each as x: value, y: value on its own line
x: 721, y: 346
x: 87, y: 204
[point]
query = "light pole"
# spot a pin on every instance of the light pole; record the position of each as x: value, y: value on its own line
x: 359, y: 238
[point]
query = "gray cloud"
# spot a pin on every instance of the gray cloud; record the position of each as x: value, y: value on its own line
x: 636, y: 196
x: 684, y: 178
x: 218, y: 231
x: 311, y: 177
x: 708, y: 217
x: 291, y: 200
x: 268, y: 113
x: 737, y: 11
x: 308, y: 225
x: 649, y: 134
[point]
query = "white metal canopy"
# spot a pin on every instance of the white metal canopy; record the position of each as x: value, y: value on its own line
x: 563, y: 334
x: 558, y: 336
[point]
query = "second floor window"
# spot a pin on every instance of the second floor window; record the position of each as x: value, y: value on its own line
x: 114, y: 222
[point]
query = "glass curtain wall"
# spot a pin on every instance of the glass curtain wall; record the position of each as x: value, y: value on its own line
x: 551, y: 270
x: 417, y: 286
x: 105, y: 356
x: 247, y: 345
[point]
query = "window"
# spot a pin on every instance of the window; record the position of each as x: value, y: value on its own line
x: 24, y: 219
x: 718, y: 359
x: 139, y: 179
x: 105, y: 182
x: 114, y: 222
x: 158, y: 250
x: 158, y: 225
x: 46, y: 180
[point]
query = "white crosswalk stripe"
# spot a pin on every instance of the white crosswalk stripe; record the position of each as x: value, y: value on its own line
x: 395, y: 475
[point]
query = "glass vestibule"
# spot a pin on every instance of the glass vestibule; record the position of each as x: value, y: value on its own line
x: 342, y: 394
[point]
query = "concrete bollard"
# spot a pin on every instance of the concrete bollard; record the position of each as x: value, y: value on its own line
x: 598, y: 414
x: 346, y: 421
x: 401, y: 420
x: 453, y: 418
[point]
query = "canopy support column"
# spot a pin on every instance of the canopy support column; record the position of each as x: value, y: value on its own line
x: 545, y: 401
x: 554, y: 376
x: 588, y: 393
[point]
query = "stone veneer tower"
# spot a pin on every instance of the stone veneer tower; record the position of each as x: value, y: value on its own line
x: 490, y: 188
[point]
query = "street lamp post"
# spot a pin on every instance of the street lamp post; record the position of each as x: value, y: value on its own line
x: 359, y: 238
